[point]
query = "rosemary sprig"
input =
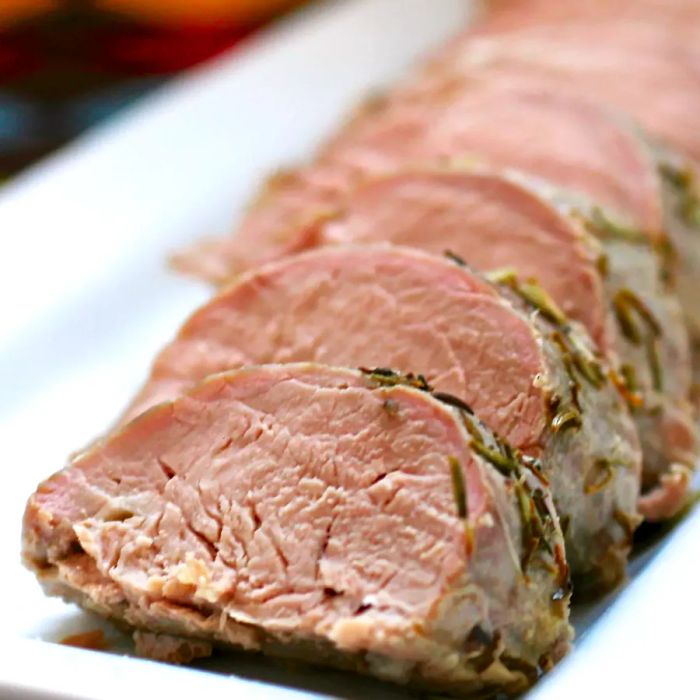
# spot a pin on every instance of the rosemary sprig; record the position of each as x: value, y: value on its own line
x: 455, y: 258
x: 629, y: 310
x: 600, y: 476
x: 383, y: 376
x: 459, y: 490
x: 602, y: 226
x: 683, y: 182
x: 567, y: 419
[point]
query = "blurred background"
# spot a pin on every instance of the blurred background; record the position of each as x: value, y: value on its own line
x: 67, y: 64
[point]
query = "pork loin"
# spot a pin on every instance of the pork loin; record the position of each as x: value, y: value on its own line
x: 532, y: 380
x: 344, y: 518
x: 493, y: 222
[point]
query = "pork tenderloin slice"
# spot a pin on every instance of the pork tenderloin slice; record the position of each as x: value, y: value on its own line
x: 398, y: 307
x: 346, y: 518
x: 496, y: 221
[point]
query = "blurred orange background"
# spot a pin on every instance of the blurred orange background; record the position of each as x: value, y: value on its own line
x: 67, y: 64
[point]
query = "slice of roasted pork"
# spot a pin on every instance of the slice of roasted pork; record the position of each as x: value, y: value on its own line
x: 532, y: 378
x: 346, y: 518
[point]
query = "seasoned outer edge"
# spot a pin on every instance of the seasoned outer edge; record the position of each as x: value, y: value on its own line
x: 656, y: 367
x: 591, y: 452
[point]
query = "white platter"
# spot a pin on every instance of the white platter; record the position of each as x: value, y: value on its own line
x: 85, y: 300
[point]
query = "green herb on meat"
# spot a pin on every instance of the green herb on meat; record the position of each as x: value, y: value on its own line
x: 585, y: 362
x: 602, y: 226
x: 626, y: 383
x: 459, y: 490
x: 536, y: 296
x: 634, y: 317
x: 455, y: 258
x: 626, y: 320
x: 567, y: 419
x: 683, y: 182
x: 453, y: 401
x: 530, y: 539
x: 652, y: 349
x: 599, y: 477
x: 576, y: 357
x: 503, y: 275
x: 530, y: 292
x: 383, y: 376
x: 603, y: 265
x: 629, y: 298
x: 505, y: 465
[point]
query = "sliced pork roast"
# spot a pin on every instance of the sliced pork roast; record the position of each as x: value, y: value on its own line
x: 533, y: 379
x: 348, y: 519
x: 493, y: 222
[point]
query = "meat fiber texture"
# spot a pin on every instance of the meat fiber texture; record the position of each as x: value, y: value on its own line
x: 325, y: 514
x: 537, y: 384
x: 614, y: 287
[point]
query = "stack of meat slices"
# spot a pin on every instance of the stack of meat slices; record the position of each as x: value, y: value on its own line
x: 448, y: 371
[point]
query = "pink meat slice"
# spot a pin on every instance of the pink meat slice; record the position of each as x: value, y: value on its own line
x: 490, y: 221
x: 310, y: 511
x: 374, y: 307
x: 387, y: 306
x: 560, y: 139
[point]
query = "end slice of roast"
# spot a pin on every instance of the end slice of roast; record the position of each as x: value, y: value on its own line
x: 532, y: 380
x: 340, y: 517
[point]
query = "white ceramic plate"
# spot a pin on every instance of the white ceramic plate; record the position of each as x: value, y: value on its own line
x: 85, y: 301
